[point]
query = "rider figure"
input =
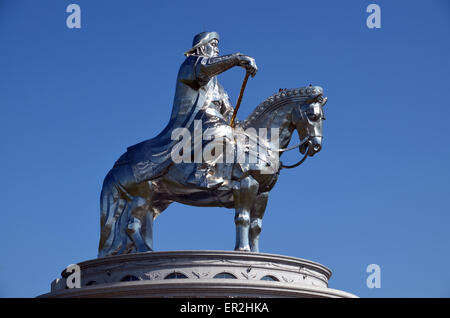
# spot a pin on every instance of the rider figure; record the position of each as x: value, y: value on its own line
x: 198, y: 97
x: 216, y: 112
x: 208, y: 64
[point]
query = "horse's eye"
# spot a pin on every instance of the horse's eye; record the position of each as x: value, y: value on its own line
x: 313, y: 117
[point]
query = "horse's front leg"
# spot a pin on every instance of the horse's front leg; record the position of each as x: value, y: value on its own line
x: 256, y: 216
x: 244, y: 194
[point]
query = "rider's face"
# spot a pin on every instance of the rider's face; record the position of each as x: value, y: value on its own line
x: 212, y: 48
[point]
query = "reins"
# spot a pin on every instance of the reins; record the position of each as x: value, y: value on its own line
x: 301, y: 143
x: 306, y: 140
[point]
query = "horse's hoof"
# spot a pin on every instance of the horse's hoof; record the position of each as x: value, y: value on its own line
x: 242, y: 249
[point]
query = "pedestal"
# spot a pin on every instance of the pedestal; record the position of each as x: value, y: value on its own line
x: 199, y: 274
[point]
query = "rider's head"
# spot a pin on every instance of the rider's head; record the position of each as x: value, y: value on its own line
x: 205, y: 44
x: 210, y: 49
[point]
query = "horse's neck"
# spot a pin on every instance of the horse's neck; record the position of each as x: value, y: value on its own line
x: 273, y: 114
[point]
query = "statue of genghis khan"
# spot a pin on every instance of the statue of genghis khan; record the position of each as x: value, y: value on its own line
x: 199, y: 98
x: 146, y: 179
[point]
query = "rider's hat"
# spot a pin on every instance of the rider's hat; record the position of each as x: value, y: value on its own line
x: 201, y: 39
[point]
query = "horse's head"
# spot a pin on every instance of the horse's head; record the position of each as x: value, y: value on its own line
x: 307, y: 117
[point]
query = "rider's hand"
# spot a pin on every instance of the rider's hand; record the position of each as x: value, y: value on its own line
x: 248, y: 63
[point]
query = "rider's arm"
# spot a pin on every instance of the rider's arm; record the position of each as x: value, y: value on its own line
x: 206, y: 68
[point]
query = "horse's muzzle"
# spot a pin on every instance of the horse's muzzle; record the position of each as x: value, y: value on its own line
x: 315, y: 145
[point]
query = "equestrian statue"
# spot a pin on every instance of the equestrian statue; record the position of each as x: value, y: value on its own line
x: 203, y: 157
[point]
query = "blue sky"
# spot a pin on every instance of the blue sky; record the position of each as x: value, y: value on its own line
x: 72, y: 100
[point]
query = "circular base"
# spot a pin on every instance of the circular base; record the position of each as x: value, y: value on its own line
x: 198, y: 274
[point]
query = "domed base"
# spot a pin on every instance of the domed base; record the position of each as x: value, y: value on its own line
x: 199, y: 274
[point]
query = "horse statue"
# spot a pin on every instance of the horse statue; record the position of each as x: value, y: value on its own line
x: 129, y: 207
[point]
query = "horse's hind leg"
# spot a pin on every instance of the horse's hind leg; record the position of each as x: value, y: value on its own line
x: 244, y: 194
x: 256, y: 216
x: 140, y: 224
x: 126, y: 220
x: 111, y: 207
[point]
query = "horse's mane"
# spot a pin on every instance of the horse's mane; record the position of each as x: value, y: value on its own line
x: 273, y: 102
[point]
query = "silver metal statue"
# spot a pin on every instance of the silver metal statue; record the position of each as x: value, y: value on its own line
x: 146, y: 179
